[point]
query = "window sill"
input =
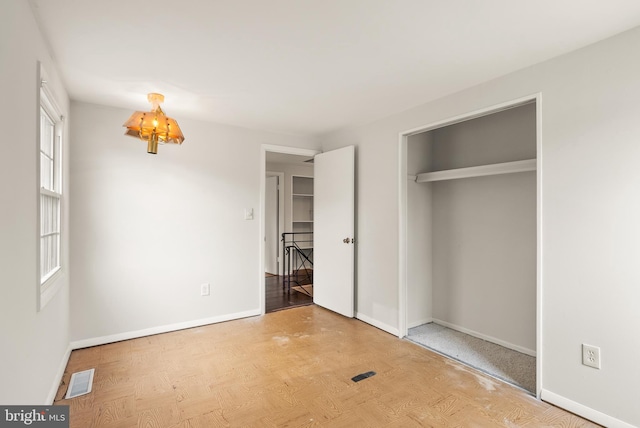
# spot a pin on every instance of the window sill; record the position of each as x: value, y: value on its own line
x: 49, y: 288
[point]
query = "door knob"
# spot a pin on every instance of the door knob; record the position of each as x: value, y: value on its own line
x: 346, y: 240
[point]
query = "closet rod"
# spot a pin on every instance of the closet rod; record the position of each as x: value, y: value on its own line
x: 478, y: 171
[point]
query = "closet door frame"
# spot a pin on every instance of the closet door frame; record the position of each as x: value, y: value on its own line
x: 403, y: 213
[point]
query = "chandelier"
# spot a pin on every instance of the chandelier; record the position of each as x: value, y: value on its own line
x: 154, y: 126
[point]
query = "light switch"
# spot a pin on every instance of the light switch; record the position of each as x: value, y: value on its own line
x: 248, y: 213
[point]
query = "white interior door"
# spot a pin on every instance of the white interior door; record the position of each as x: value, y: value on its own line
x: 333, y: 234
x: 271, y: 226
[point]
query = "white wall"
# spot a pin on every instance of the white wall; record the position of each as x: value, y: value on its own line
x: 484, y: 256
x: 34, y: 344
x: 590, y: 211
x: 272, y: 224
x: 149, y: 229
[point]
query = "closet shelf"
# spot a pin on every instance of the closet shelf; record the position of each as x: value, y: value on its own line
x: 478, y: 171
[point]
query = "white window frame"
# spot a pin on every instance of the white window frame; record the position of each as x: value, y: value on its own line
x: 48, y: 284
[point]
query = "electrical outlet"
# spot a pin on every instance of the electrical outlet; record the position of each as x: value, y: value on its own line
x: 204, y: 289
x: 591, y: 356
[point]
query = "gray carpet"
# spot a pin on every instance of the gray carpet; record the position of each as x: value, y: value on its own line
x: 511, y: 366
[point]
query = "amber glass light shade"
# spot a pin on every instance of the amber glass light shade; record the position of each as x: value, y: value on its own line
x: 154, y: 126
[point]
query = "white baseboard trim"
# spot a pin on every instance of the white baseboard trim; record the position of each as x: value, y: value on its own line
x: 582, y: 410
x: 161, y: 329
x: 419, y: 322
x: 377, y: 324
x: 497, y: 341
x: 58, y: 378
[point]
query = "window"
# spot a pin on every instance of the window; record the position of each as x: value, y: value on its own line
x: 50, y: 145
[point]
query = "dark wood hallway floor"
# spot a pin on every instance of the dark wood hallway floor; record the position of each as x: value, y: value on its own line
x: 277, y: 297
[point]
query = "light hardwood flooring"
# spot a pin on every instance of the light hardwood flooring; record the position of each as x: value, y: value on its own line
x: 292, y: 368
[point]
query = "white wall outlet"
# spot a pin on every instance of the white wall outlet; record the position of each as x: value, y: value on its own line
x: 248, y: 213
x: 205, y: 290
x: 591, y: 356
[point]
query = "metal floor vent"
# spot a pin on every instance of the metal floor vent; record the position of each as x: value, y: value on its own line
x: 80, y: 383
x: 362, y: 376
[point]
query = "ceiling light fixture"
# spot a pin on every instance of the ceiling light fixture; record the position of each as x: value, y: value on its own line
x: 154, y: 127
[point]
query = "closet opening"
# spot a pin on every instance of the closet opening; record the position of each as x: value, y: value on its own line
x: 470, y: 230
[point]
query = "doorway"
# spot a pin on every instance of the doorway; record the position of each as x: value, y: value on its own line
x: 283, y: 283
x: 333, y: 220
x: 470, y: 233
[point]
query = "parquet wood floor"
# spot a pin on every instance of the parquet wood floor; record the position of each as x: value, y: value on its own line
x: 292, y: 368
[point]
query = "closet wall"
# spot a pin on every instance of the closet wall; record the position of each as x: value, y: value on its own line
x: 419, y: 256
x: 483, y: 229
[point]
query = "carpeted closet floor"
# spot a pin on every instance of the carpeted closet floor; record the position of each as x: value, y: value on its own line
x: 511, y: 366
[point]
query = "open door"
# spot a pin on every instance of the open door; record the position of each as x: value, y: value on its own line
x: 333, y: 224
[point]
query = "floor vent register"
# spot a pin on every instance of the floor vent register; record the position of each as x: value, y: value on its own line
x: 80, y: 383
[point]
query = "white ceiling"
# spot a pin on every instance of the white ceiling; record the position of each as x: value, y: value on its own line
x: 308, y: 67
